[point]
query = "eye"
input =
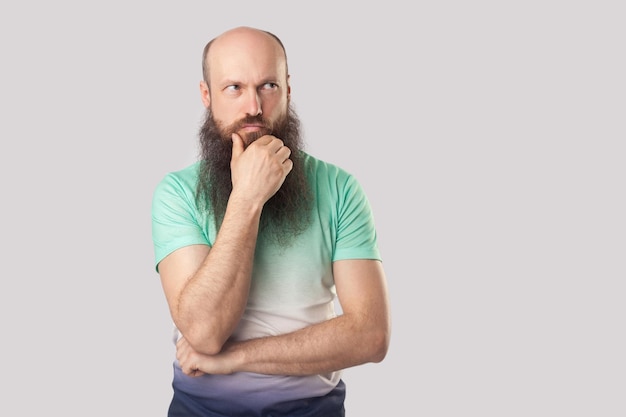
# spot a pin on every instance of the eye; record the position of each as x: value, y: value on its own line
x: 233, y: 88
x: 269, y: 86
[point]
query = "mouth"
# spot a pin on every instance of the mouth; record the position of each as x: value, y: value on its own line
x: 252, y: 128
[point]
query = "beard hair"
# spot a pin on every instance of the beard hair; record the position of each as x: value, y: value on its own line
x: 287, y: 213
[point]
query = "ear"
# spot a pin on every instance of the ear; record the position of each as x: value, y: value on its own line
x: 288, y: 88
x: 205, y: 94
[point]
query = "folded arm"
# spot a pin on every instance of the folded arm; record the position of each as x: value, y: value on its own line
x: 360, y: 335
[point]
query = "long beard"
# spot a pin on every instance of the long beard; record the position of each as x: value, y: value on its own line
x: 287, y: 213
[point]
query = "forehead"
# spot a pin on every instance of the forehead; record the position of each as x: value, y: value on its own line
x: 247, y: 56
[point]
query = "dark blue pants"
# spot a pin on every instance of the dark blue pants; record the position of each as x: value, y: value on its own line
x: 330, y: 405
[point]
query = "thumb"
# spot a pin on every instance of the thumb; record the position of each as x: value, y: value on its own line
x: 237, y: 145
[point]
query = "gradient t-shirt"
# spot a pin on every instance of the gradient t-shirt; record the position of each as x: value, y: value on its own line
x: 292, y: 287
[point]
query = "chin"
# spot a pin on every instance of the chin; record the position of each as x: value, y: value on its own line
x: 249, y: 137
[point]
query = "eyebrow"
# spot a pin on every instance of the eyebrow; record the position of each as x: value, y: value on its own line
x: 232, y: 81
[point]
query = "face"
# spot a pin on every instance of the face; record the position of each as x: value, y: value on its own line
x: 248, y: 90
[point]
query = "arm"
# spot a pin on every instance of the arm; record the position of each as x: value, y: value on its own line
x: 358, y: 336
x: 207, y: 289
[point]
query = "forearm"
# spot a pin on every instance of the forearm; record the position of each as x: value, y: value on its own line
x: 329, y: 346
x: 213, y: 300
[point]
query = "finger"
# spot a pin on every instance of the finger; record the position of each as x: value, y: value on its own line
x: 284, y: 152
x: 288, y: 165
x: 237, y: 145
x: 182, y: 342
x: 277, y: 145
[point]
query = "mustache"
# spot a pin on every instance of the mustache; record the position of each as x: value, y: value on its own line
x: 251, y: 120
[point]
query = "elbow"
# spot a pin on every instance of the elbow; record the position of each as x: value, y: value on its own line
x: 379, y: 346
x: 202, y: 340
x: 379, y: 338
x: 204, y: 336
x: 206, y: 346
x: 375, y: 335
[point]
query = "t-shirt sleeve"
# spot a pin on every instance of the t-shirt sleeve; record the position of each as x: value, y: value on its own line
x: 174, y: 218
x: 356, y: 231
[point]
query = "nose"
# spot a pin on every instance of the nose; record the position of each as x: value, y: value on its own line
x: 254, y: 106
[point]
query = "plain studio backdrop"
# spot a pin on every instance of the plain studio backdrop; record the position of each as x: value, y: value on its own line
x: 489, y: 137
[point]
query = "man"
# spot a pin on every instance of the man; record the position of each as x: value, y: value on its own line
x: 252, y: 245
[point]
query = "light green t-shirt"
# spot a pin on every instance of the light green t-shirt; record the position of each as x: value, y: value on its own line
x: 292, y: 286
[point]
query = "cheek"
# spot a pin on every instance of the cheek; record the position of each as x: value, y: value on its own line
x: 222, y: 116
x: 223, y: 107
x: 276, y: 111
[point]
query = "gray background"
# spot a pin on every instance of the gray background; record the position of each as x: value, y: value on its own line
x: 488, y: 136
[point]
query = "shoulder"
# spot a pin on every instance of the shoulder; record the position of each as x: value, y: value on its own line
x: 329, y: 176
x: 185, y: 178
x: 321, y: 169
x: 178, y: 184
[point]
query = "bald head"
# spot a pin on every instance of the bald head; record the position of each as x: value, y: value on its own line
x: 242, y: 40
